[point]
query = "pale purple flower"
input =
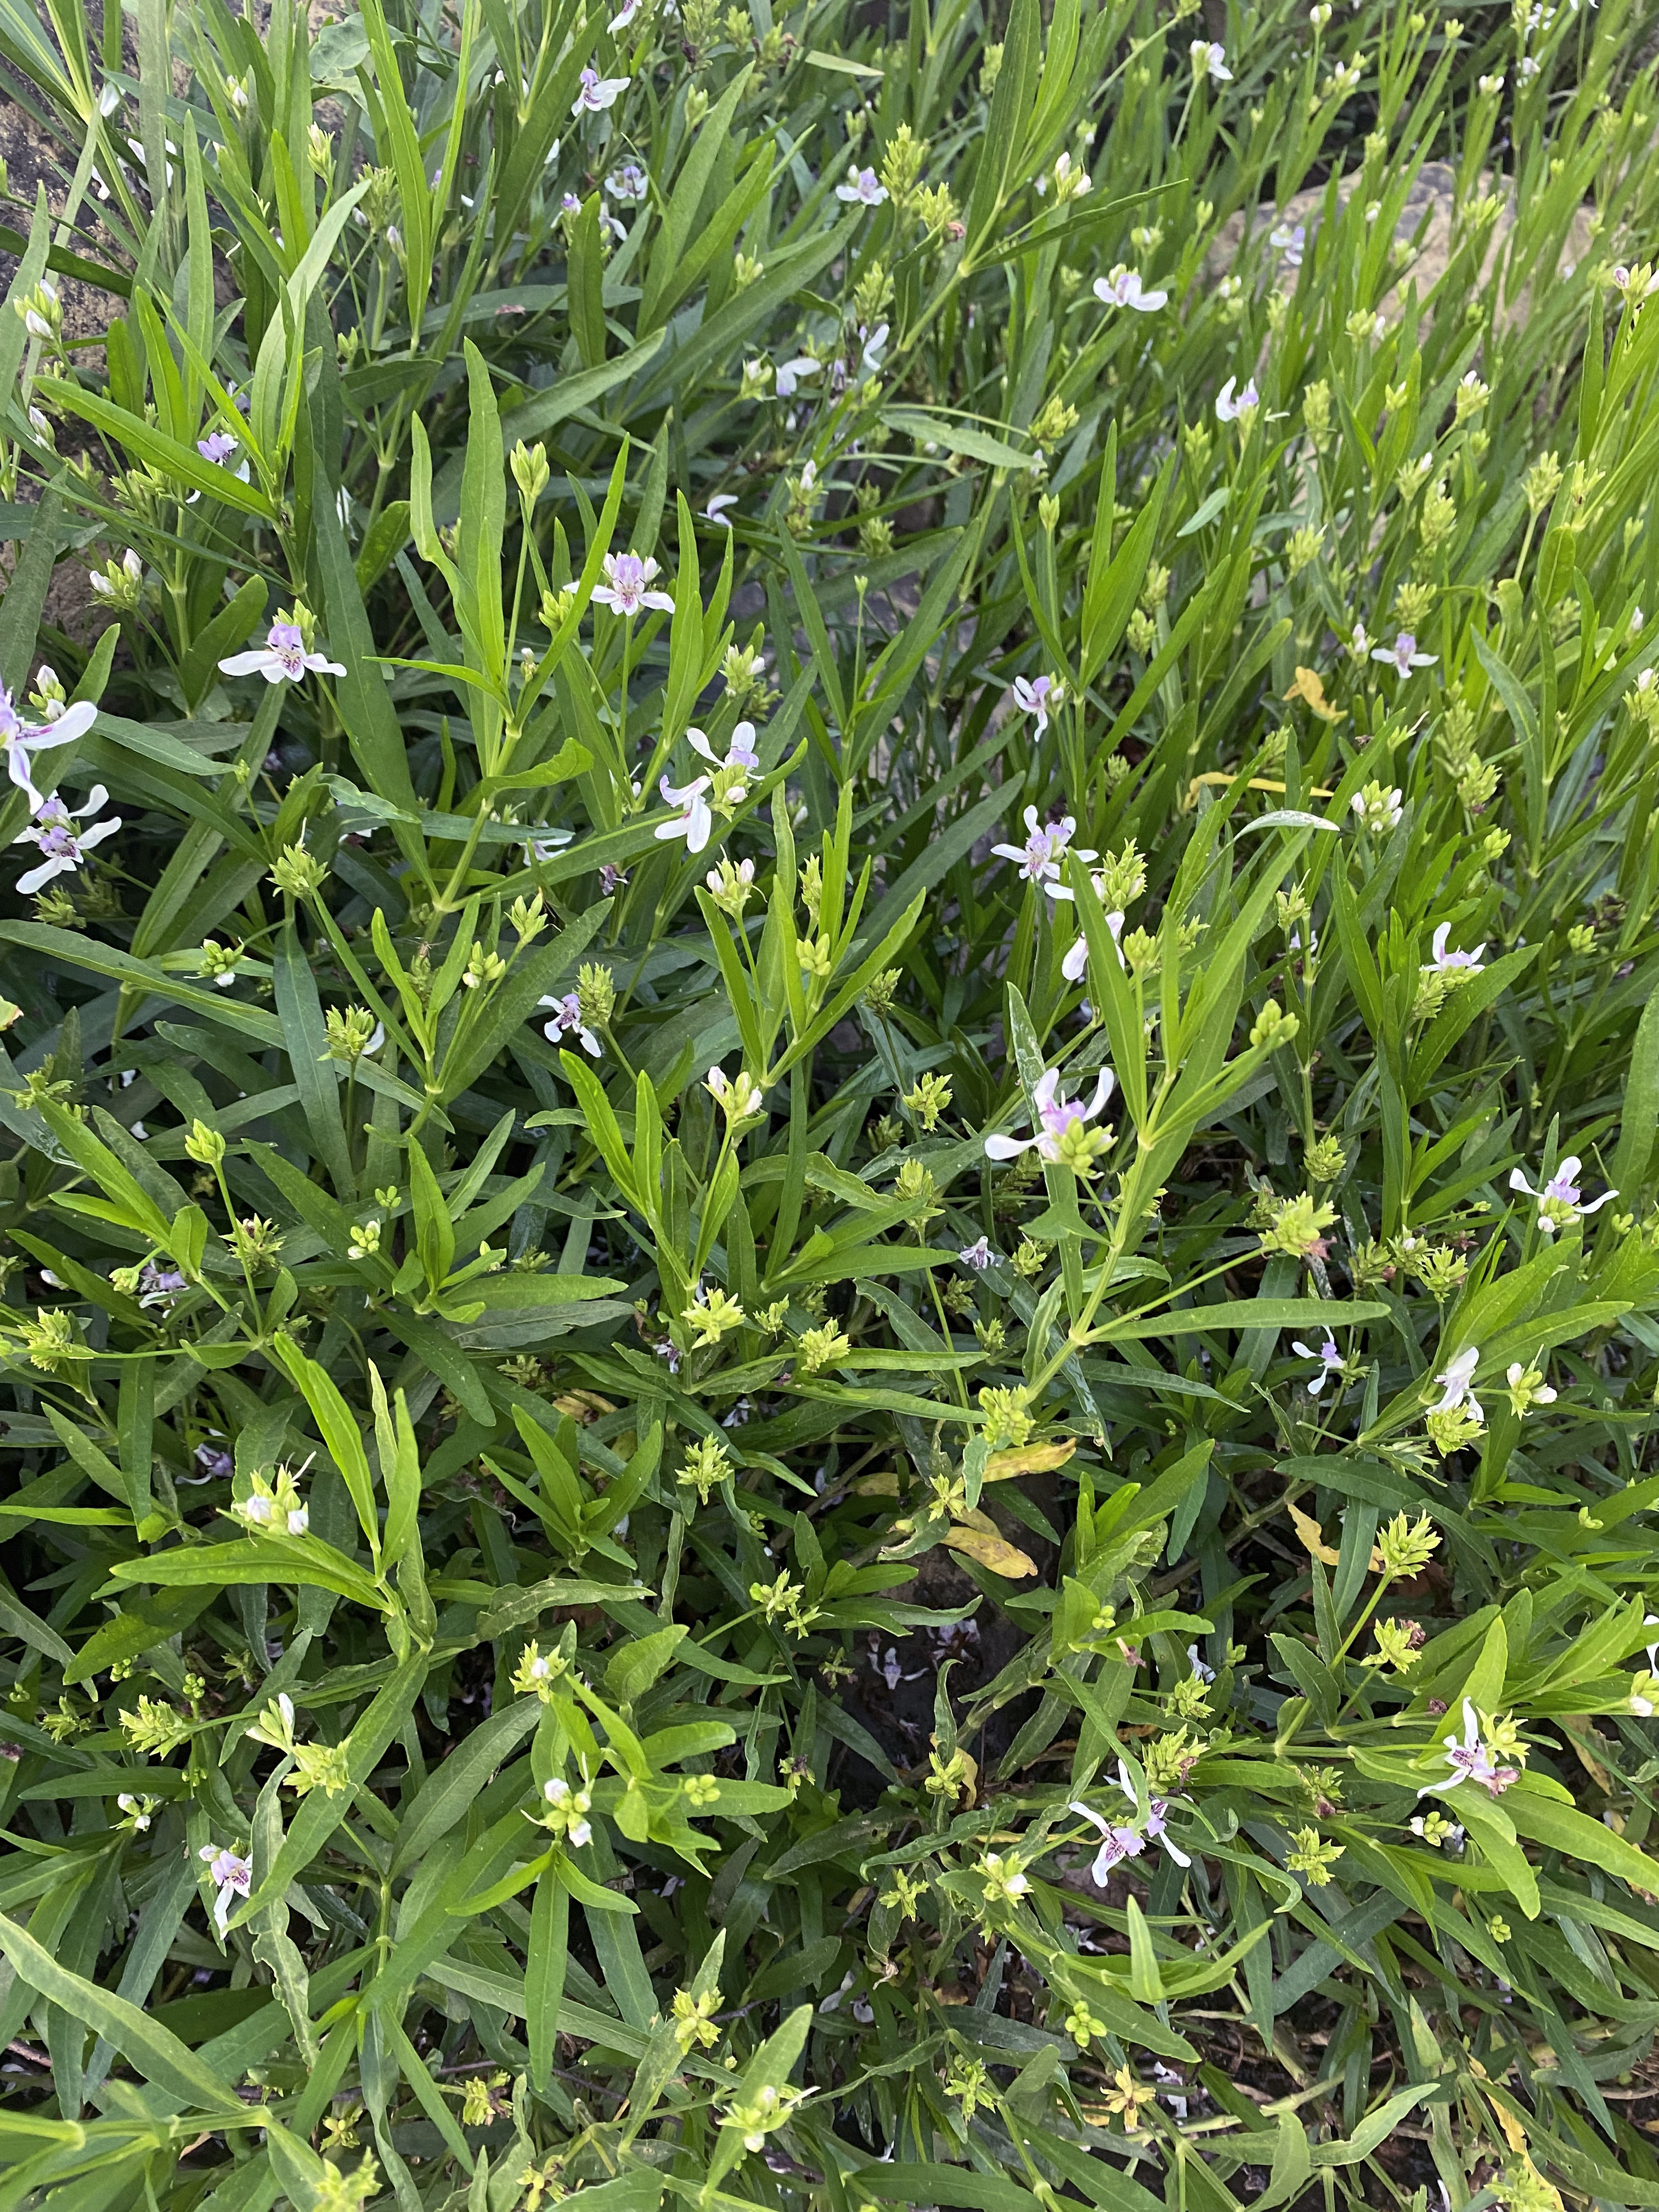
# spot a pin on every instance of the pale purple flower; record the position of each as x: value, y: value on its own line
x: 1055, y: 1116
x: 1044, y: 848
x: 1404, y: 654
x: 570, y: 204
x: 715, y: 510
x: 546, y: 843
x: 220, y: 1466
x: 1121, y: 1842
x: 1447, y: 962
x: 1228, y: 408
x: 20, y: 738
x: 1330, y: 1361
x: 281, y: 659
x: 1290, y: 240
x: 219, y: 446
x: 231, y: 1876
x: 624, y: 15
x: 862, y: 186
x: 597, y: 92
x: 158, y: 1286
x: 624, y: 592
x: 1123, y: 288
x: 63, y: 847
x: 1034, y: 696
x: 1471, y: 1761
x: 693, y: 822
x: 741, y: 756
x: 628, y: 183
x: 977, y: 1255
x: 566, y: 1021
x: 611, y: 878
x: 1561, y: 1195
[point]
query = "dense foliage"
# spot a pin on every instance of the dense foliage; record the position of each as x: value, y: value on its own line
x: 831, y: 1282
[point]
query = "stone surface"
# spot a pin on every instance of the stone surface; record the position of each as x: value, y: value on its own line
x: 1427, y: 212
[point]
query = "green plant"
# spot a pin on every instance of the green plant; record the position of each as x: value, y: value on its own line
x: 734, y: 1485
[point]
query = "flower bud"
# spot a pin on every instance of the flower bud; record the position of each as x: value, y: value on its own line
x: 204, y: 1145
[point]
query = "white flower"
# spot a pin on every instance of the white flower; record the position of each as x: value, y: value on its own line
x: 1540, y: 1394
x: 63, y: 846
x: 978, y: 1255
x: 1122, y: 288
x: 110, y: 585
x: 1451, y: 1836
x: 1040, y: 856
x: 547, y: 841
x: 693, y: 822
x: 624, y: 590
x: 1036, y: 696
x: 862, y: 186
x: 716, y: 507
x: 1330, y: 1361
x: 1209, y: 59
x: 597, y: 92
x: 1229, y: 409
x: 791, y: 372
x: 1379, y: 809
x: 282, y: 659
x: 624, y: 17
x: 1561, y: 1200
x: 1404, y: 654
x: 573, y: 1805
x: 1075, y: 965
x: 1470, y: 1760
x: 1054, y: 1117
x: 740, y: 1099
x: 231, y: 1876
x: 567, y: 1020
x: 1446, y: 962
x: 134, y: 1808
x: 1455, y: 1379
x: 20, y: 738
x: 745, y: 879
x: 34, y: 322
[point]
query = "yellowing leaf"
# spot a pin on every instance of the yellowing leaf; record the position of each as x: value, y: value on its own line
x: 877, y: 1486
x: 584, y: 1405
x: 1029, y: 1459
x: 991, y: 1550
x: 1309, y: 688
x: 1314, y: 1537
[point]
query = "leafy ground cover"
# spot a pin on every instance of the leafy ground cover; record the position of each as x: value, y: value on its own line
x: 831, y: 1282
